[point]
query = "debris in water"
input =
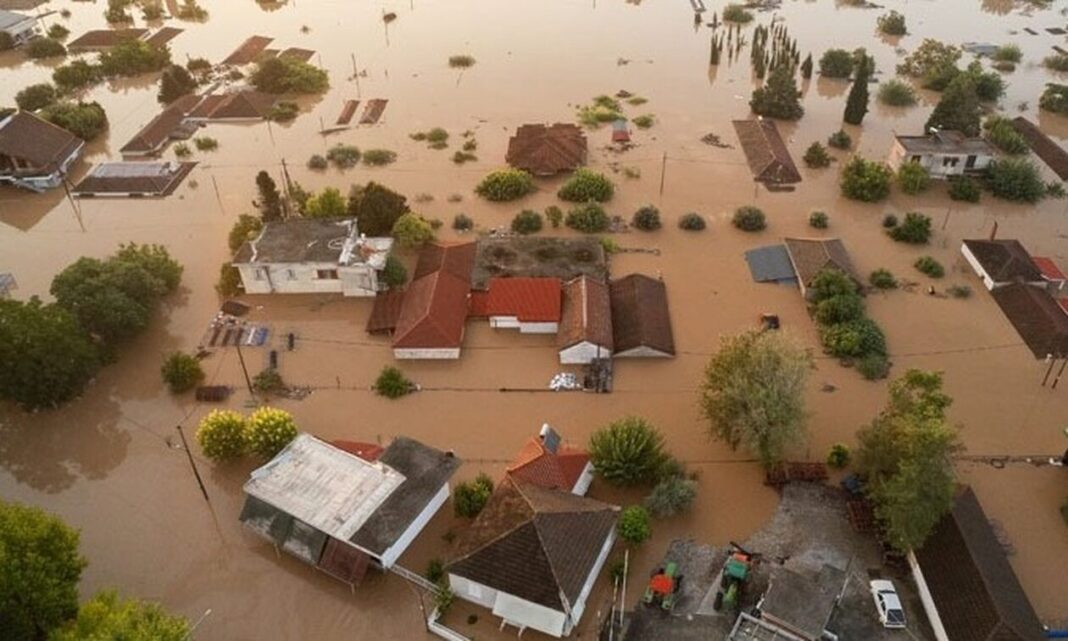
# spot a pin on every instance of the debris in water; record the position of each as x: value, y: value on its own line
x: 715, y: 141
x: 389, y: 17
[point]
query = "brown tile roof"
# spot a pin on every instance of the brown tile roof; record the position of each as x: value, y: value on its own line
x: 1041, y: 322
x: 248, y: 50
x: 531, y: 300
x: 158, y: 131
x: 1055, y: 157
x: 163, y: 36
x: 105, y: 38
x: 142, y: 178
x: 536, y: 465
x: 768, y: 157
x: 246, y: 104
x: 304, y: 55
x: 587, y: 314
x: 534, y: 543
x: 1004, y: 260
x: 545, y: 151
x: 385, y: 312
x: 977, y: 594
x: 456, y: 259
x: 640, y: 316
x: 433, y: 313
x: 810, y: 256
x: 37, y: 141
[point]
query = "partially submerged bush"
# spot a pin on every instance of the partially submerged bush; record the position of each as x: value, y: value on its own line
x: 412, y: 231
x: 692, y: 222
x: 737, y: 13
x: 268, y: 381
x: 269, y: 430
x: 647, y: 218
x: 181, y: 372
x: 462, y: 222
x: 589, y: 218
x: 394, y: 274
x: 462, y: 61
x: 133, y: 58
x: 865, y: 180
x: 288, y: 75
x: 644, y: 121
x: 505, y: 184
x: 221, y: 435
x: 392, y: 383
x: 1015, y: 179
x: 915, y: 230
x: 378, y: 157
x: 855, y: 339
x: 36, y: 97
x: 672, y: 495
x: 586, y: 185
x: 912, y: 177
x: 882, y: 279
x: 1008, y: 53
x: 470, y: 497
x: 749, y: 218
x: 840, y: 140
x: 629, y: 451
x: 1056, y: 62
x: 1001, y: 134
x: 205, y: 143
x: 836, y: 63
x: 344, y: 156
x: 838, y: 457
x: 45, y: 48
x: 930, y: 267
x: 897, y: 93
x: 554, y: 215
x: 86, y: 120
x: 527, y: 221
x: 818, y: 220
x: 964, y: 189
x: 892, y: 24
x: 889, y: 221
x: 1054, y: 98
x: 634, y: 526
x: 318, y: 162
x: 283, y: 111
x: 959, y: 291
x: 816, y: 156
x: 874, y: 366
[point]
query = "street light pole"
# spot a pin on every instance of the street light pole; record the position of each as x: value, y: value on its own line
x: 193, y: 464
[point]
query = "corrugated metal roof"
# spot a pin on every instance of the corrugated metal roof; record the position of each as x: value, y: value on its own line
x: 770, y: 264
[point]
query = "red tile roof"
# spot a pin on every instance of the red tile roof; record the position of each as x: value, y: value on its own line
x: 586, y: 315
x: 536, y: 465
x: 456, y: 259
x: 531, y: 300
x: 479, y: 305
x: 433, y: 313
x: 1048, y: 268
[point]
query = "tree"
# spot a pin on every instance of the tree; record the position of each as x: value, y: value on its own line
x: 856, y: 338
x: 892, y: 24
x: 45, y: 48
x: 958, y: 109
x: 155, y: 259
x: 647, y: 218
x: 181, y: 372
x: 221, y: 434
x: 245, y: 229
x: 394, y: 273
x: 36, y: 97
x: 1001, y: 134
x: 897, y: 93
x: 268, y: 430
x: 39, y: 571
x: 1054, y: 98
x: 988, y: 84
x: 635, y: 526
x: 505, y: 184
x: 470, y: 497
x: 629, y: 451
x: 865, y: 180
x: 915, y: 230
x: 816, y: 156
x: 589, y: 218
x: 76, y: 75
x: 328, y: 203
x: 857, y: 102
x: 779, y: 97
x: 753, y: 393
x: 527, y: 221
x: 86, y: 120
x: 934, y: 63
x: 1015, y: 179
x: 270, y: 201
x: 905, y: 456
x: 836, y: 63
x: 806, y: 67
x: 586, y: 185
x: 175, y: 83
x: 287, y: 74
x: 134, y: 57
x: 376, y: 208
x: 47, y: 358
x: 392, y: 383
x: 913, y: 177
x: 749, y: 218
x: 412, y: 231
x: 106, y: 616
x: 671, y: 496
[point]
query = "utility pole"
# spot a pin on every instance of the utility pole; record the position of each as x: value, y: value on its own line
x: 193, y: 464
x: 663, y: 170
x: 1059, y: 372
x: 244, y: 370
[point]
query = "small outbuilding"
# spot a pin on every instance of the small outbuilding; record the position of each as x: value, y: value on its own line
x: 810, y: 256
x: 799, y: 605
x: 531, y: 305
x: 104, y: 39
x: 1001, y: 262
x: 586, y: 322
x: 312, y: 256
x: 546, y: 150
x: 133, y: 179
x: 20, y: 27
x: 34, y: 153
x: 766, y: 152
x: 641, y: 321
x: 546, y: 461
x: 942, y: 153
x: 968, y: 589
x: 341, y: 511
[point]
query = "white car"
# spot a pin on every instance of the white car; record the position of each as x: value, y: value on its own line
x: 887, y: 603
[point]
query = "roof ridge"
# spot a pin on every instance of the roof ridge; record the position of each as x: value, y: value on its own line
x: 509, y: 531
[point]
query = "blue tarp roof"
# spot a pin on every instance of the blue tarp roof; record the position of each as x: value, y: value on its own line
x: 770, y: 264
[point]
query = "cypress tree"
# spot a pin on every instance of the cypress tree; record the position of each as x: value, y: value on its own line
x: 857, y: 102
x: 806, y: 67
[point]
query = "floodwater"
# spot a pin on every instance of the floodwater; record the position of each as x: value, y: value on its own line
x: 108, y: 463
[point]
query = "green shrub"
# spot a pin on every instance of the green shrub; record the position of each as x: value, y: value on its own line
x: 959, y: 291
x: 644, y: 121
x: 554, y: 215
x: 779, y: 96
x: 854, y: 339
x: 378, y: 157
x: 892, y: 24
x: 1008, y: 53
x: 244, y: 229
x: 45, y: 48
x: 930, y: 266
x: 836, y: 63
x: 181, y: 372
x: 889, y: 221
x: 35, y: 97
x: 873, y: 367
x: 589, y: 218
x: 635, y: 526
x: 288, y: 75
x: 394, y: 274
x: 1054, y: 98
x: 392, y: 383
x: 58, y: 32
x: 609, y: 245
x: 86, y: 120
x: 229, y: 283
x: 435, y: 570
x: 882, y: 279
x: 840, y: 140
x: 897, y: 93
x: 76, y: 75
x: 737, y: 13
x: 838, y: 457
x: 527, y: 222
x: 443, y: 598
x: 343, y: 156
x: 318, y: 162
x: 470, y: 497
x: 816, y: 156
x: 283, y: 111
x: 133, y: 58
x: 328, y: 203
x: 912, y: 177
x: 1015, y: 179
x: 462, y: 222
x: 647, y: 218
x: 604, y: 109
x: 934, y: 63
x: 749, y: 218
x: 916, y: 230
x: 586, y: 185
x: 830, y: 283
x: 221, y: 435
x: 1001, y: 134
x: 269, y: 430
x: 629, y: 451
x: 1056, y: 190
x: 505, y: 184
x: 462, y: 61
x: 692, y: 222
x: 205, y: 143
x: 196, y: 65
x: 1056, y: 62
x: 437, y: 138
x: 460, y: 157
x: 842, y: 308
x: 672, y: 495
x: 7, y: 41
x: 818, y: 220
x: 964, y: 189
x: 865, y: 180
x: 182, y: 150
x: 268, y: 381
x: 174, y: 83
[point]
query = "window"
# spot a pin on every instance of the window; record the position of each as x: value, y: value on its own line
x: 291, y: 275
x: 260, y: 272
x: 326, y: 274
x: 917, y: 158
x: 950, y: 161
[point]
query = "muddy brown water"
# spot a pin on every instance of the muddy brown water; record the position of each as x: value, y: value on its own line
x: 108, y: 462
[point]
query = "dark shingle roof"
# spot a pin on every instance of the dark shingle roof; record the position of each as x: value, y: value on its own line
x: 971, y: 582
x: 36, y: 141
x: 765, y: 151
x: 545, y: 151
x: 1051, y: 153
x: 1041, y: 322
x: 425, y: 470
x: 156, y: 132
x: 1004, y: 260
x: 810, y: 256
x: 534, y: 543
x: 640, y: 316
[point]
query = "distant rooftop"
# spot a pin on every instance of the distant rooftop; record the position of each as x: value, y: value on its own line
x: 310, y: 240
x: 10, y: 18
x: 946, y: 142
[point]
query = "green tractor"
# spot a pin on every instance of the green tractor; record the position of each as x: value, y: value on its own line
x: 735, y: 574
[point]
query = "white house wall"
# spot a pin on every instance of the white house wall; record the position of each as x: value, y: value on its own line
x: 928, y: 601
x: 521, y: 613
x: 933, y: 162
x: 390, y: 556
x: 539, y: 328
x: 642, y: 352
x: 583, y: 353
x: 579, y: 606
x: 472, y: 591
x: 428, y: 354
x: 303, y: 278
x: 970, y: 257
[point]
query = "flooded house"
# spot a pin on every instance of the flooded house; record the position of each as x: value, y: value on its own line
x: 766, y: 152
x: 433, y: 312
x: 586, y: 322
x: 155, y: 179
x: 531, y: 305
x: 310, y: 256
x: 546, y: 461
x: 943, y: 153
x: 34, y: 153
x: 810, y: 256
x: 532, y: 556
x: 547, y: 150
x: 21, y: 28
x: 344, y: 507
x: 1001, y: 262
x: 641, y: 321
